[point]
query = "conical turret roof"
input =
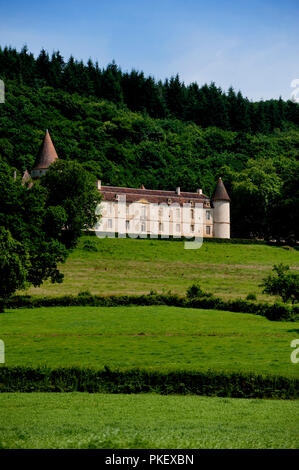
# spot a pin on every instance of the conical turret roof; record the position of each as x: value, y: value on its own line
x: 47, y: 153
x: 220, y: 193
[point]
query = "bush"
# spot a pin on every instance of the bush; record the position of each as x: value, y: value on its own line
x: 283, y: 283
x: 251, y: 297
x: 195, y: 291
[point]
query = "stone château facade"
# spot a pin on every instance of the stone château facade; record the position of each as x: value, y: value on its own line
x: 146, y: 212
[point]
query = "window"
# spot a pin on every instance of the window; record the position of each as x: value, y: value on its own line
x: 109, y: 223
x: 143, y: 211
x: 127, y: 224
x: 208, y: 230
x: 160, y: 227
x: 178, y: 227
x: 143, y: 227
x: 178, y: 212
x: 208, y: 215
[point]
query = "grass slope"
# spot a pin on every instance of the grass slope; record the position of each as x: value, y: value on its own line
x: 157, y: 337
x: 81, y: 420
x: 122, y: 266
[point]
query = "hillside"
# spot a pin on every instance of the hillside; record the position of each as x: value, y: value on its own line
x: 125, y: 148
x: 128, y: 130
x: 128, y: 266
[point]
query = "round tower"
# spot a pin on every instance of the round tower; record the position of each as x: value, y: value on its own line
x: 221, y: 211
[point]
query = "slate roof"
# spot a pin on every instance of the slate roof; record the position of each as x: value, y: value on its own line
x: 47, y: 153
x: 152, y: 195
x: 220, y: 193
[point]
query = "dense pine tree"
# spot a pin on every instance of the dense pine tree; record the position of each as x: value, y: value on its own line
x: 206, y: 106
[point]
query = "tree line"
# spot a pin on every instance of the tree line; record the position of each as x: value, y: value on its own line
x: 206, y: 106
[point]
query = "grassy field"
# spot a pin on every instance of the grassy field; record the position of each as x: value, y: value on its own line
x: 81, y: 420
x: 122, y: 266
x: 157, y: 337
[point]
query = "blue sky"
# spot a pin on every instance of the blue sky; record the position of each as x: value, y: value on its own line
x: 251, y: 45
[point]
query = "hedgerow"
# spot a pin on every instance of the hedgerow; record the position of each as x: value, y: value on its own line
x: 209, y: 383
x: 275, y: 311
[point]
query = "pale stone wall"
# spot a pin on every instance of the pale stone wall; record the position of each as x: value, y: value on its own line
x: 208, y: 223
x: 145, y: 219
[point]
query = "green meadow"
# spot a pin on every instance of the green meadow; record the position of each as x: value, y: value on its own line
x: 155, y: 337
x: 134, y: 266
x: 82, y: 420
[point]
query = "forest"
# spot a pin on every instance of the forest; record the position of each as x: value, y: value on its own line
x: 128, y: 130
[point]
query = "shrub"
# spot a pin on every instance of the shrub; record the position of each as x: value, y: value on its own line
x: 283, y: 283
x: 251, y: 297
x: 195, y: 291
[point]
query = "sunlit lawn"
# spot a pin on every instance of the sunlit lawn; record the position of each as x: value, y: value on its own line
x: 81, y: 420
x: 122, y: 266
x: 158, y: 337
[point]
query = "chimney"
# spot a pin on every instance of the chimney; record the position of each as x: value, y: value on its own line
x: 178, y: 190
x: 99, y: 184
x: 199, y: 191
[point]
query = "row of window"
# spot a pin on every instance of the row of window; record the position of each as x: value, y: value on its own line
x: 161, y: 227
x: 178, y: 212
